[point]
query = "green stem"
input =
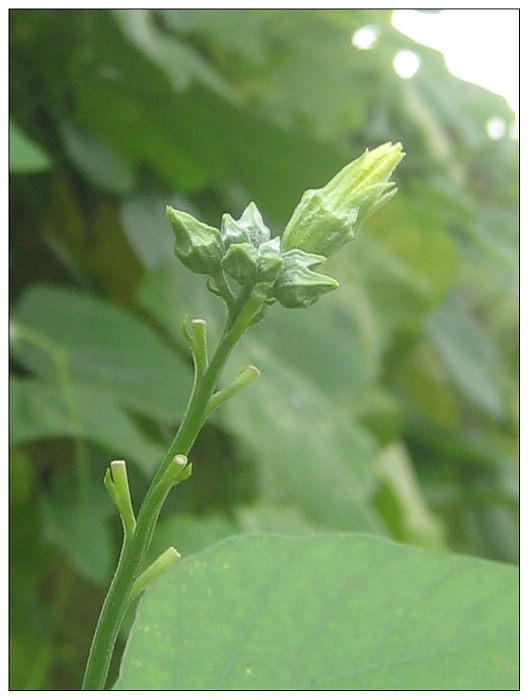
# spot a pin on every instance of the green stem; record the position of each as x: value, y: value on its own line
x: 136, y: 544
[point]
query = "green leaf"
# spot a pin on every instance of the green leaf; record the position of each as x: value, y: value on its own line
x: 322, y: 344
x: 422, y: 376
x: 239, y: 32
x: 78, y: 526
x: 100, y: 164
x: 272, y: 519
x: 308, y: 452
x: 106, y: 347
x: 25, y: 156
x: 191, y: 298
x: 329, y: 612
x: 41, y: 411
x: 147, y: 230
x: 181, y: 63
x: 403, y: 270
x: 468, y: 353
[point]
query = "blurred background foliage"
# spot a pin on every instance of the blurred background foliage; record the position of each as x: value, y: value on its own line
x: 390, y: 407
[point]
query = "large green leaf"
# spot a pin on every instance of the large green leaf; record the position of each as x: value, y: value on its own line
x: 41, y: 411
x: 299, y: 416
x: 106, y: 347
x: 308, y: 451
x: 326, y: 612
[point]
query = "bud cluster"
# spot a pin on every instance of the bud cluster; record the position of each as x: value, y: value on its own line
x: 324, y: 220
x: 245, y: 250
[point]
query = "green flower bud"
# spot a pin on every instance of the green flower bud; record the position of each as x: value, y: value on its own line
x: 249, y: 265
x: 270, y: 261
x: 325, y: 219
x: 250, y: 228
x: 241, y: 262
x: 298, y: 286
x: 198, y: 246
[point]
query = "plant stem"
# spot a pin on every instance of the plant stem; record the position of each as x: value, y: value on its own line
x: 136, y: 544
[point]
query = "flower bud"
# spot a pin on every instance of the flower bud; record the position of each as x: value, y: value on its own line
x: 325, y: 219
x: 249, y: 265
x: 250, y: 228
x: 198, y: 246
x: 241, y: 262
x: 298, y: 286
x: 270, y: 261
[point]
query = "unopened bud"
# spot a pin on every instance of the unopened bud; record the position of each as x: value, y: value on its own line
x: 325, y: 219
x: 250, y: 228
x: 270, y: 261
x: 298, y: 286
x: 241, y: 262
x: 250, y: 265
x: 198, y: 246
